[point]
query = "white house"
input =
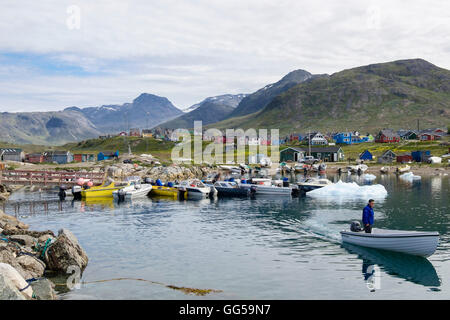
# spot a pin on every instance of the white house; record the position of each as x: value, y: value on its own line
x: 319, y: 140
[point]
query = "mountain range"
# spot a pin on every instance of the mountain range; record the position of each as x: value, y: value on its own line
x: 393, y: 94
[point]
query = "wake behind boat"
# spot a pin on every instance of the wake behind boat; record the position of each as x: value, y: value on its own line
x: 418, y: 243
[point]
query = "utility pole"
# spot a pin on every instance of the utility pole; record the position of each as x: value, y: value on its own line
x: 309, y: 142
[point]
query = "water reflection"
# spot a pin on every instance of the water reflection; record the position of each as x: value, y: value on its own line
x: 411, y: 268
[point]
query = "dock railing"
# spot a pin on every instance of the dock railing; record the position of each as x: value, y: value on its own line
x: 26, y: 177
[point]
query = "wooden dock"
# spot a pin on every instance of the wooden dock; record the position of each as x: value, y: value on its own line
x: 46, y: 178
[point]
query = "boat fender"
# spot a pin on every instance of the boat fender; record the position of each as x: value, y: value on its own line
x: 355, y: 226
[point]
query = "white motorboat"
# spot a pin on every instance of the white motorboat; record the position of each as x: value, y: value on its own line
x: 359, y: 168
x: 384, y: 169
x: 313, y: 184
x: 133, y: 190
x: 265, y: 186
x: 195, y: 189
x: 416, y: 243
x: 404, y: 169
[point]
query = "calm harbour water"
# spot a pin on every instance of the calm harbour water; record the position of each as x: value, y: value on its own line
x: 263, y: 248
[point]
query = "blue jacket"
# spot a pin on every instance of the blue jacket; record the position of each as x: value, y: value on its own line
x: 367, y: 216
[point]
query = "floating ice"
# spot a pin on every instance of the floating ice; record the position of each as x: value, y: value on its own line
x: 369, y: 177
x: 409, y: 176
x: 351, y: 190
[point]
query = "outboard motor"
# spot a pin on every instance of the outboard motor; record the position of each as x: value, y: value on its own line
x: 285, y: 182
x: 121, y: 194
x: 355, y: 226
x: 252, y: 191
x: 76, y: 191
x: 62, y: 193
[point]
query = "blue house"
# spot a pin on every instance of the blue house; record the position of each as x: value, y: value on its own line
x: 107, y: 155
x: 420, y: 156
x: 366, y: 155
x: 343, y: 137
x: 62, y: 157
x: 349, y: 138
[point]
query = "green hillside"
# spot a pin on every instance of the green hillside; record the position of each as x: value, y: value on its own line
x: 368, y: 98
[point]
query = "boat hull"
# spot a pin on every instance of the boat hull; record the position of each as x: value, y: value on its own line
x: 268, y: 190
x: 164, y: 191
x: 422, y: 244
x: 94, y: 192
x: 128, y: 195
x: 232, y: 192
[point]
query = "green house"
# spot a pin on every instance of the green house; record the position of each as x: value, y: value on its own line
x: 292, y: 154
x: 326, y: 153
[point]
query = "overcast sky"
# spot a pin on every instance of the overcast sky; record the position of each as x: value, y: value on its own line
x: 55, y: 54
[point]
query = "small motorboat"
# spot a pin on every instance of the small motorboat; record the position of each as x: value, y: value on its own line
x: 195, y: 188
x: 313, y: 184
x: 165, y: 191
x: 266, y: 187
x: 133, y: 190
x: 106, y: 189
x: 384, y: 169
x: 418, y: 243
x: 232, y: 189
x: 404, y: 169
x: 359, y: 168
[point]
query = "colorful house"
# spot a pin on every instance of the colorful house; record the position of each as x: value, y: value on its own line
x: 84, y: 157
x: 319, y: 140
x: 404, y: 158
x: 292, y: 154
x: 62, y: 157
x: 387, y: 136
x: 107, y: 155
x: 328, y: 154
x: 11, y: 154
x: 135, y: 132
x: 34, y: 158
x: 387, y: 157
x: 420, y: 156
x: 366, y: 155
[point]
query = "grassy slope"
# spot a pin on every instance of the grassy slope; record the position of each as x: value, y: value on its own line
x: 365, y: 98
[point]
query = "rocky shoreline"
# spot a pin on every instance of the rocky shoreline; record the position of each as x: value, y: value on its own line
x: 27, y: 256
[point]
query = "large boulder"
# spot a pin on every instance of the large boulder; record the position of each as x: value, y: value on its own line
x: 23, y: 239
x: 8, y: 290
x: 13, y: 277
x: 9, y: 222
x: 31, y: 267
x: 65, y: 252
x: 44, y: 289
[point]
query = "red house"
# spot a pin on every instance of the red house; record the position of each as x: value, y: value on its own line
x: 387, y: 136
x: 34, y: 158
x: 404, y: 158
x: 427, y: 137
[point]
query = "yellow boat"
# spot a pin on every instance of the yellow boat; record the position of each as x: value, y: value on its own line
x: 165, y: 191
x: 106, y: 189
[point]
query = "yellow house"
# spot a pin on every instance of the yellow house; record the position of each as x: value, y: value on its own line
x: 147, y: 134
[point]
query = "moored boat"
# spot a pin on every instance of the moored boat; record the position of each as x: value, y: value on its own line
x: 313, y: 184
x: 416, y: 243
x: 195, y: 189
x: 232, y: 189
x: 133, y: 190
x: 164, y: 191
x: 106, y: 189
x: 404, y: 169
x: 264, y: 186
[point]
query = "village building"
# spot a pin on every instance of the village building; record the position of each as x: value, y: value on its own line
x: 387, y: 136
x: 319, y: 140
x: 135, y: 132
x: 327, y: 154
x: 387, y: 157
x: 107, y: 155
x: 147, y: 133
x: 366, y: 155
x: 11, y: 154
x: 84, y: 157
x: 404, y: 158
x: 62, y: 157
x: 421, y: 155
x: 34, y: 158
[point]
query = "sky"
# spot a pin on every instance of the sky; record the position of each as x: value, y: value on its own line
x: 57, y: 54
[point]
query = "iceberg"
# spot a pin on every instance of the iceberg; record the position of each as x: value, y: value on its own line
x: 349, y: 190
x: 409, y: 176
x: 369, y: 177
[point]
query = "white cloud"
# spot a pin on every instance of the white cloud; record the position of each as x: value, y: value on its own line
x: 188, y: 50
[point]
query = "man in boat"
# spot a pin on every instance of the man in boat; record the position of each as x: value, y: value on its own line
x: 368, y: 216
